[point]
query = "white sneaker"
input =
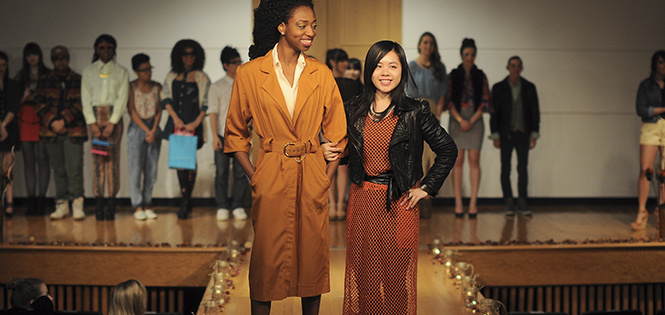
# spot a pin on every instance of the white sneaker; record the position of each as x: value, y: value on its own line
x: 61, y: 209
x: 222, y: 214
x: 239, y: 214
x: 77, y: 209
x: 139, y: 215
x: 150, y: 214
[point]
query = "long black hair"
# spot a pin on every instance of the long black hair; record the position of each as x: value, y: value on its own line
x: 177, y: 65
x: 654, y: 60
x: 374, y: 55
x: 267, y: 16
x: 104, y: 38
x: 24, y: 74
x: 435, y: 58
x: 4, y: 57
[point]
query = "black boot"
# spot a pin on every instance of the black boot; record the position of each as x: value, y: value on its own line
x: 110, y: 210
x: 523, y: 207
x: 99, y: 209
x: 40, y: 206
x: 185, y: 208
x: 30, y: 206
x: 510, y: 207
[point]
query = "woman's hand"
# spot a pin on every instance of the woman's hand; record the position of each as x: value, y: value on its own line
x: 95, y: 131
x: 465, y: 125
x: 412, y: 197
x: 178, y: 123
x: 108, y: 130
x: 3, y: 132
x: 191, y: 127
x: 150, y: 136
x: 331, y: 152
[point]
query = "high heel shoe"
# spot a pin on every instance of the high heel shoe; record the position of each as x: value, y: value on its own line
x: 641, y: 221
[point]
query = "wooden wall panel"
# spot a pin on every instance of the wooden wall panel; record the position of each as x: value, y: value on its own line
x: 574, y: 300
x: 73, y: 265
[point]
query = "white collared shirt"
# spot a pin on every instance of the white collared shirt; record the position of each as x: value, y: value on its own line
x: 219, y: 97
x: 104, y: 84
x: 290, y: 92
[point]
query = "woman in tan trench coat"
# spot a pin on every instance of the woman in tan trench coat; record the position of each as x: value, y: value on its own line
x: 291, y: 98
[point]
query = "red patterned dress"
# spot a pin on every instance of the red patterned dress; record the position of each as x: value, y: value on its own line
x: 382, y: 246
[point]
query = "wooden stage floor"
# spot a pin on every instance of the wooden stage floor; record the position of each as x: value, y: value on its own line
x: 549, y: 223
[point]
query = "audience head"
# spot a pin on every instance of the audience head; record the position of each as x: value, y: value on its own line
x: 354, y: 70
x: 658, y: 62
x: 25, y: 291
x: 4, y: 66
x: 468, y: 52
x: 427, y: 46
x: 105, y: 46
x: 268, y: 16
x: 230, y: 59
x: 141, y: 66
x: 60, y: 58
x: 128, y: 298
x: 187, y: 54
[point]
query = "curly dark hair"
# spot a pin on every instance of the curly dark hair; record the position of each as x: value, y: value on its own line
x: 103, y: 38
x: 177, y: 65
x: 435, y: 59
x: 267, y: 16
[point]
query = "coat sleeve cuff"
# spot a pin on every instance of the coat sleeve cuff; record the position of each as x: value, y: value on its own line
x: 535, y: 135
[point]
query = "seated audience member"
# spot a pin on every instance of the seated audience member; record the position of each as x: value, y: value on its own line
x: 128, y: 298
x: 29, y: 297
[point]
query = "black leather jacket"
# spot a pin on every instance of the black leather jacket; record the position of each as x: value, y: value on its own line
x: 416, y: 123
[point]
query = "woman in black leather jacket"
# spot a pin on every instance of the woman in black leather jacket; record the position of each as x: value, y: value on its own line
x: 386, y: 130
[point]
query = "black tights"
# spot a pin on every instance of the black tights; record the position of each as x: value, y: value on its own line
x: 310, y: 306
x: 186, y: 178
x: 35, y: 157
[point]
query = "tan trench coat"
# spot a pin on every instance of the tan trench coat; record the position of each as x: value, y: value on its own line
x: 290, y: 256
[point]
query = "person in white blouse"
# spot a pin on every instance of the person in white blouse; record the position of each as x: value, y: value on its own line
x: 219, y: 97
x: 104, y: 94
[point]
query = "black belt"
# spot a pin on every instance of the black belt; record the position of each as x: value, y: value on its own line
x: 383, y: 179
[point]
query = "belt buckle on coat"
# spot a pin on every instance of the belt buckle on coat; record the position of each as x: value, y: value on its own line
x: 299, y: 151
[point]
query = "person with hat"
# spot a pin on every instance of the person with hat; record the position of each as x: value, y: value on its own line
x: 63, y: 130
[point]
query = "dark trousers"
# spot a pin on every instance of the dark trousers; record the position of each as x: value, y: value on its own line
x: 240, y: 182
x: 520, y: 142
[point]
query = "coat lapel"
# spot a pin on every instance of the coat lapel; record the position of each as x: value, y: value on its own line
x: 306, y: 86
x: 272, y: 87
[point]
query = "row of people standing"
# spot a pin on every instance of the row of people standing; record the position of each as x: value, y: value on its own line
x: 465, y: 94
x: 66, y: 105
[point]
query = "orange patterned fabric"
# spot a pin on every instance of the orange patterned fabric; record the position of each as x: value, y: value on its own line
x: 382, y: 246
